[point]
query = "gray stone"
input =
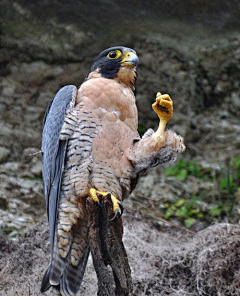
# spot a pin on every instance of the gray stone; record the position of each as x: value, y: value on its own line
x: 4, y: 154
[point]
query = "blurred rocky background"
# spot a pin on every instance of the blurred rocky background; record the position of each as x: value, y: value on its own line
x: 188, y: 49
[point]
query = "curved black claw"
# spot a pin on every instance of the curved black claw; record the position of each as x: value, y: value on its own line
x: 99, y: 202
x: 121, y: 208
x: 118, y: 212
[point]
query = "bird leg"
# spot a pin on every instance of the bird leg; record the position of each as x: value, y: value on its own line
x: 117, y: 205
x: 164, y: 109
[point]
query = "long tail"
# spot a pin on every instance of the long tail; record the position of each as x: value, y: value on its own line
x: 68, y: 260
x: 63, y: 276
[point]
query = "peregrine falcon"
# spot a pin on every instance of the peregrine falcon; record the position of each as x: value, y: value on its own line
x: 91, y: 148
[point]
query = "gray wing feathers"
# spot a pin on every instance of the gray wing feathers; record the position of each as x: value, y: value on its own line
x: 55, y: 190
x: 53, y: 152
x: 61, y: 274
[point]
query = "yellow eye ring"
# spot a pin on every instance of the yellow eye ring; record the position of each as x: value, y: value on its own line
x: 114, y: 54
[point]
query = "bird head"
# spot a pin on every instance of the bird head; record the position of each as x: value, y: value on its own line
x: 119, y: 63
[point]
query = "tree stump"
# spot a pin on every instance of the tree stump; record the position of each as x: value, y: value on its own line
x: 108, y: 252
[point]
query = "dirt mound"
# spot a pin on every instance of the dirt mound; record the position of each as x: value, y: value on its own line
x: 164, y: 260
x: 207, y: 264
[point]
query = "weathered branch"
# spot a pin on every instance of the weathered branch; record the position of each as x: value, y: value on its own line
x: 107, y: 250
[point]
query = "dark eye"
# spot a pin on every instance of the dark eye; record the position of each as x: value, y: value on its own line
x: 114, y: 54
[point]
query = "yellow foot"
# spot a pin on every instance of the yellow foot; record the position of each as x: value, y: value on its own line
x: 117, y: 205
x: 164, y: 109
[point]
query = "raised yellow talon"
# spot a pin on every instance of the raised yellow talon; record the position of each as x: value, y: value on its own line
x: 117, y: 206
x: 164, y: 109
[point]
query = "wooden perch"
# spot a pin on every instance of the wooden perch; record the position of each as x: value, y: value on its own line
x: 109, y: 255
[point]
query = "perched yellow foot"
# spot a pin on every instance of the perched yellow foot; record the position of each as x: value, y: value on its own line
x: 117, y: 205
x: 164, y: 109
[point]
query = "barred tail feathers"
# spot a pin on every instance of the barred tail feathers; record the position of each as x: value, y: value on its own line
x: 65, y: 274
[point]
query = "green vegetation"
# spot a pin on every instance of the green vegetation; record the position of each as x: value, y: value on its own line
x: 38, y: 179
x: 183, y: 169
x: 220, y: 202
x: 185, y: 210
x: 141, y: 129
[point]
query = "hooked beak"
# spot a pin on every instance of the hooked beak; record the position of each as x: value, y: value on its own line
x: 130, y: 59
